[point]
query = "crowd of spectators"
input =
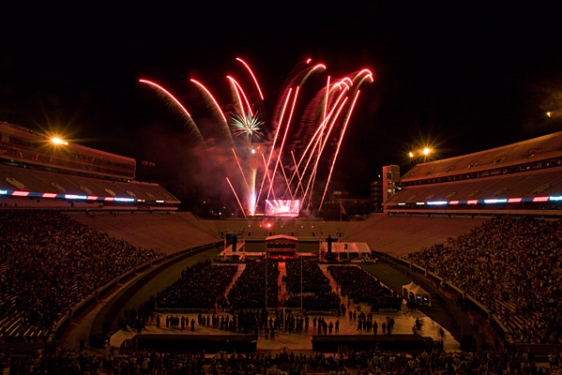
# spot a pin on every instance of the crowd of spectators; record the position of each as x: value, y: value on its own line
x: 248, y: 291
x: 200, y: 286
x: 512, y: 267
x: 49, y: 263
x: 344, y: 362
x: 306, y: 280
x: 361, y: 287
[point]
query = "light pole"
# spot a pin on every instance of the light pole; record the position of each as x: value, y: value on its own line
x: 415, y: 155
x: 266, y: 278
x: 300, y: 256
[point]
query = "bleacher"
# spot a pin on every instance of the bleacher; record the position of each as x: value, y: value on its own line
x: 547, y: 147
x: 172, y: 232
x: 34, y: 188
x: 400, y: 235
x: 530, y: 184
x: 532, y: 170
x: 260, y: 227
x: 525, y: 175
x: 167, y: 232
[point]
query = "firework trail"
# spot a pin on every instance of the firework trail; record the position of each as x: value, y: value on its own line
x: 176, y: 103
x: 266, y: 151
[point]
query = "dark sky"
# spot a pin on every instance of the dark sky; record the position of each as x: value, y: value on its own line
x: 460, y: 76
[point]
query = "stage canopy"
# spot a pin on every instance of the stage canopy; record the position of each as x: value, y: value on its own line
x: 347, y: 250
x: 281, y: 246
x: 415, y: 293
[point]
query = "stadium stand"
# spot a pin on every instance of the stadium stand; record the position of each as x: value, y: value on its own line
x: 35, y: 174
x: 399, y: 235
x: 524, y: 175
x: 538, y: 152
x: 170, y: 232
x: 481, y: 230
x: 512, y: 267
x: 261, y: 227
x: 51, y: 264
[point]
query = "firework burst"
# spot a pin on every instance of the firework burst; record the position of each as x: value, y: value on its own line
x: 281, y: 160
x: 248, y: 126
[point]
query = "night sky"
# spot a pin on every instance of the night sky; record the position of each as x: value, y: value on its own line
x: 459, y: 78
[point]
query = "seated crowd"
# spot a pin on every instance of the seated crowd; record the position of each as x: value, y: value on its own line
x: 248, y: 291
x: 49, y: 263
x: 305, y: 277
x: 199, y: 286
x: 512, y: 267
x: 204, y: 286
x: 345, y: 362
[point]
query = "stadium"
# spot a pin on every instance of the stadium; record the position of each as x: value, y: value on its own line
x: 101, y: 270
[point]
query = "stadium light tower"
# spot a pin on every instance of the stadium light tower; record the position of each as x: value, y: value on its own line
x: 58, y: 141
x: 412, y: 158
x: 415, y: 156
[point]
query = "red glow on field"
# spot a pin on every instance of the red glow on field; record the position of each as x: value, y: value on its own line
x: 20, y: 193
x: 49, y: 195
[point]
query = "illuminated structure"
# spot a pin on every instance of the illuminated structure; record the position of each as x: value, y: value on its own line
x: 390, y: 181
x: 522, y: 175
x: 22, y: 146
x: 285, y: 164
x: 281, y: 246
x: 37, y: 171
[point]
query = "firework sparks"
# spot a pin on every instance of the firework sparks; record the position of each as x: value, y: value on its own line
x: 286, y: 161
x: 248, y: 126
x: 176, y: 103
